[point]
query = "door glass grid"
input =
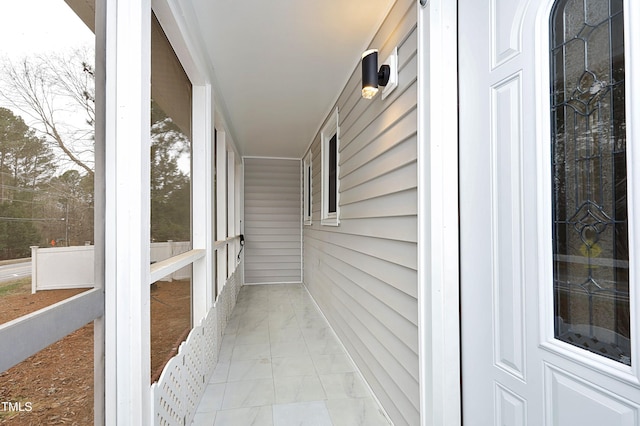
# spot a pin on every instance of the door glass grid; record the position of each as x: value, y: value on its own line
x: 589, y: 177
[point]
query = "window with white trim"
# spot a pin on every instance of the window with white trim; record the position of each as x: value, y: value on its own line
x: 330, y: 143
x: 307, y: 189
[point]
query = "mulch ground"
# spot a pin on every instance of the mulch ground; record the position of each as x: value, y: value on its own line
x: 55, y: 386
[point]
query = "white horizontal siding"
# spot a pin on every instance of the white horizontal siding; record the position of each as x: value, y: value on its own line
x: 363, y: 273
x: 272, y: 220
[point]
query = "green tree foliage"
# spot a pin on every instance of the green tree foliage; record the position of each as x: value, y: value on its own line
x: 71, y: 198
x: 16, y: 235
x: 170, y: 186
x: 26, y: 163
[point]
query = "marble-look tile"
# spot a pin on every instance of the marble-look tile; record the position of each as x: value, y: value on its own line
x: 212, y: 398
x: 327, y: 346
x: 258, y: 351
x: 356, y: 412
x: 248, y: 393
x: 275, y: 346
x: 311, y: 322
x: 286, y: 349
x: 252, y: 337
x: 282, y: 320
x: 281, y: 308
x: 293, y: 366
x: 298, y: 389
x: 344, y: 385
x: 232, y: 326
x: 250, y: 369
x: 319, y: 333
x: 226, y: 349
x: 288, y: 334
x: 332, y: 363
x: 228, y: 340
x: 279, y: 298
x: 253, y: 416
x: 255, y: 323
x: 301, y: 414
x: 258, y: 327
x: 303, y: 305
x: 220, y: 372
x: 204, y: 419
x: 310, y: 313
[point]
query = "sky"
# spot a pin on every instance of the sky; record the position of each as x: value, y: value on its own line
x: 38, y: 26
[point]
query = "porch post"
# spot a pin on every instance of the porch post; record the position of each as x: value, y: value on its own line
x: 127, y: 216
x: 438, y: 277
x: 202, y: 190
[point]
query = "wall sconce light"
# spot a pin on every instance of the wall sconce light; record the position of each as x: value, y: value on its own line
x: 372, y: 77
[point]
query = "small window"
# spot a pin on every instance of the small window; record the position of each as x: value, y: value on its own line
x: 330, y: 171
x: 306, y: 190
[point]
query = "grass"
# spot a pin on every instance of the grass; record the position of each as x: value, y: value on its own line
x: 22, y: 285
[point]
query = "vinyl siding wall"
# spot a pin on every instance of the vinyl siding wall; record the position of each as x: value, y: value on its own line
x: 363, y: 273
x: 273, y: 220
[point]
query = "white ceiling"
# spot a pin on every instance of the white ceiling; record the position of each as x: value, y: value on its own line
x: 281, y: 64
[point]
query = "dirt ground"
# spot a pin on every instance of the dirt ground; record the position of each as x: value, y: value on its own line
x: 55, y: 386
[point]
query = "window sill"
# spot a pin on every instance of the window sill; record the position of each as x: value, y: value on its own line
x: 330, y: 221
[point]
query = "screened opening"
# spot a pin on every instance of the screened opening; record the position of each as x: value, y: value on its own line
x: 47, y: 167
x: 589, y: 177
x: 170, y: 188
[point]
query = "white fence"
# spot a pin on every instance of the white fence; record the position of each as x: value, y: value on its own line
x: 58, y: 268
x: 61, y: 267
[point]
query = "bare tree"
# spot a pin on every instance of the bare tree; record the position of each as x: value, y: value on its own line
x: 57, y: 92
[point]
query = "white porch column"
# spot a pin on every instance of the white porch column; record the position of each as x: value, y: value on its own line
x: 221, y: 208
x: 127, y: 216
x: 203, y: 203
x: 438, y: 276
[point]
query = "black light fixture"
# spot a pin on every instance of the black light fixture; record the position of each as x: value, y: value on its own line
x: 372, y: 77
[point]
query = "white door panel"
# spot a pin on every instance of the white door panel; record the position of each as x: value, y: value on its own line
x: 514, y: 371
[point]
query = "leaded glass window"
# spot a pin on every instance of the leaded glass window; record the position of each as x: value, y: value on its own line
x: 589, y: 177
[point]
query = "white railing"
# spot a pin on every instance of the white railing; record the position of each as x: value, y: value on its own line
x: 165, y: 250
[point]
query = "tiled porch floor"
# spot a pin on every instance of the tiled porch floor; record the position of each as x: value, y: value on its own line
x: 281, y: 364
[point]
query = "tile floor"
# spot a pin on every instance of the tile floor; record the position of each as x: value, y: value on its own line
x: 281, y: 364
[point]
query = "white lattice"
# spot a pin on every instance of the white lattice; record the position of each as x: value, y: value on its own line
x: 193, y: 373
x: 177, y: 393
x: 210, y: 347
x: 167, y: 394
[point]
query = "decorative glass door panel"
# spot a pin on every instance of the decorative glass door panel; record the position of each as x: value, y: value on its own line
x: 589, y: 177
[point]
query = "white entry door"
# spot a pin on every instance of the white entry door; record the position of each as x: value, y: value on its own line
x: 550, y: 212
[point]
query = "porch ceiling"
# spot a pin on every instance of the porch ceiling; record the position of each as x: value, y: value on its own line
x: 281, y: 64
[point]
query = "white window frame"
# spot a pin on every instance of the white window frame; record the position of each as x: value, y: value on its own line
x: 331, y: 128
x: 307, y: 190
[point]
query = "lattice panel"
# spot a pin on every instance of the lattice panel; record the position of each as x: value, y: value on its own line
x: 168, y: 394
x: 193, y: 373
x: 210, y: 341
x: 177, y: 393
